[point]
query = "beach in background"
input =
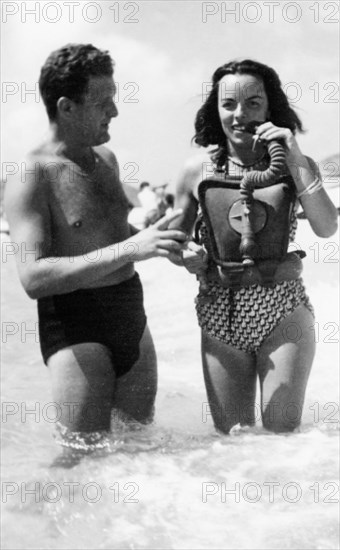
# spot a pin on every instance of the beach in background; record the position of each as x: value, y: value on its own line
x: 175, y: 484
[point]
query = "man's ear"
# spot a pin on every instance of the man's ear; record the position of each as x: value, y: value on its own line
x: 65, y: 106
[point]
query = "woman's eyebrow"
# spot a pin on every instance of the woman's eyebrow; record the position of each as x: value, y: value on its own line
x: 231, y: 98
x: 256, y: 96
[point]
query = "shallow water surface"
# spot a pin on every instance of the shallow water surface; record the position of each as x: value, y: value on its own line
x: 176, y: 483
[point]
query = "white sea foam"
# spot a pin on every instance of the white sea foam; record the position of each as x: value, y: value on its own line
x: 177, y: 483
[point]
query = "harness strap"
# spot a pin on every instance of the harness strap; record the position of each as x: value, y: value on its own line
x: 266, y: 272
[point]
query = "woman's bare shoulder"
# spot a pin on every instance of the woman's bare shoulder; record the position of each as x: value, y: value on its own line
x: 195, y: 161
x: 193, y: 172
x: 197, y: 165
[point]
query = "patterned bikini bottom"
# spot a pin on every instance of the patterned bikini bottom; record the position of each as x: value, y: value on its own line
x: 245, y: 317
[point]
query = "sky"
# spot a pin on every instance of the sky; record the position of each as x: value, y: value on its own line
x: 165, y: 53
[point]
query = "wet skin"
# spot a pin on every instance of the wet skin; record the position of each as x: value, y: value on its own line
x: 71, y: 211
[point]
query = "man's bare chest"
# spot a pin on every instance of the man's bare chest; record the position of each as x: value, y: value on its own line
x: 80, y: 200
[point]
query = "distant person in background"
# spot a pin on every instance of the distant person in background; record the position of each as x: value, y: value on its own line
x: 146, y: 196
x: 252, y: 307
x: 160, y: 192
x: 152, y: 201
x: 170, y: 202
x: 93, y: 330
x: 148, y: 200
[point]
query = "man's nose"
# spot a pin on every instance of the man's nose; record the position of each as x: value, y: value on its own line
x: 112, y: 111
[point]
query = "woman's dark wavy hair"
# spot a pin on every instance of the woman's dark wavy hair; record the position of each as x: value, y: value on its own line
x: 66, y: 72
x: 208, y: 127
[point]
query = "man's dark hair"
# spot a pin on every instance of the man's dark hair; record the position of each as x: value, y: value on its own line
x: 67, y: 71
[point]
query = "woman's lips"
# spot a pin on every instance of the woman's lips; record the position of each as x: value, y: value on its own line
x: 239, y: 129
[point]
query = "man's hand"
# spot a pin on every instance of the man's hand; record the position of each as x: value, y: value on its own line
x: 157, y: 240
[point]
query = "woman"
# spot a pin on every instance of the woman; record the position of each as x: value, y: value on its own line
x: 252, y: 307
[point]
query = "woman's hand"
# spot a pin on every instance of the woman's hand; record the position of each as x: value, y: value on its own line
x: 269, y: 132
x: 318, y: 207
x: 157, y: 240
x: 194, y: 258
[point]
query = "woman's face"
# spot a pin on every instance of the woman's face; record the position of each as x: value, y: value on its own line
x: 241, y: 99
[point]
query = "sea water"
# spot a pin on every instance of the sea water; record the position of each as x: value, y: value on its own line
x: 175, y: 484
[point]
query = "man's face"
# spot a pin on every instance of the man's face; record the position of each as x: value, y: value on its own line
x: 93, y: 115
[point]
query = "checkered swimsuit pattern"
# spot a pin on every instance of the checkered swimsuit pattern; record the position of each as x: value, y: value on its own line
x: 245, y: 317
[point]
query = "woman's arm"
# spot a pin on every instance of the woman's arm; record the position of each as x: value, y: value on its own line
x: 318, y: 207
x: 193, y: 257
x: 184, y: 198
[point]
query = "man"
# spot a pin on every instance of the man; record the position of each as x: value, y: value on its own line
x: 72, y: 212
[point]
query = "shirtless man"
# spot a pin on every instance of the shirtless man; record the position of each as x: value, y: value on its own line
x: 70, y: 209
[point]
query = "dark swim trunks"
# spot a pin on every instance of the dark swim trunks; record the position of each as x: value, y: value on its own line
x: 113, y: 316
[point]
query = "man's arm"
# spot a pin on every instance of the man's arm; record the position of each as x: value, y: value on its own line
x: 112, y: 160
x: 43, y: 274
x: 133, y: 230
